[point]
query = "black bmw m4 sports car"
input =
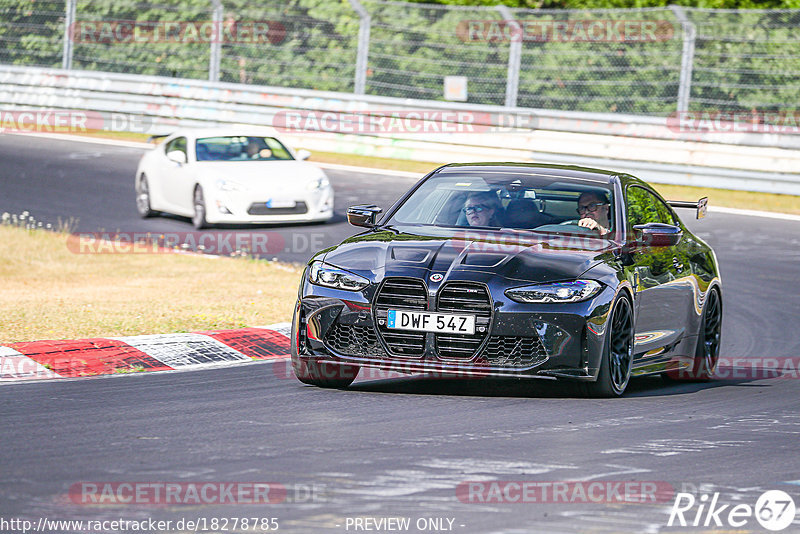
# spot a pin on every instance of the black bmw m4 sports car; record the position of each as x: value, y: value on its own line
x: 514, y: 270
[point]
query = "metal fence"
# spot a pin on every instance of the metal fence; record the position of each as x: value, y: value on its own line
x: 652, y: 61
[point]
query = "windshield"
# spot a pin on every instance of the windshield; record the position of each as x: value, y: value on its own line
x: 504, y: 200
x: 240, y: 148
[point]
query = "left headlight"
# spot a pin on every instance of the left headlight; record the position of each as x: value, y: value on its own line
x: 575, y: 291
x: 326, y: 275
x: 318, y: 183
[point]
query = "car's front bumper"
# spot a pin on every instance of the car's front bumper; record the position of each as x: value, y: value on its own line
x: 237, y: 208
x: 533, y: 341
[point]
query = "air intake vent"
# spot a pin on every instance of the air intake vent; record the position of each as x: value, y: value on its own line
x: 405, y: 294
x: 463, y: 297
x: 514, y: 351
x: 352, y: 340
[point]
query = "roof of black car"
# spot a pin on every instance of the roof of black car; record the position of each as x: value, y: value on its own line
x: 564, y: 171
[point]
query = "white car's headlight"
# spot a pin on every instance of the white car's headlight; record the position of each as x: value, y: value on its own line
x: 555, y: 292
x: 227, y: 185
x: 329, y: 276
x: 318, y: 183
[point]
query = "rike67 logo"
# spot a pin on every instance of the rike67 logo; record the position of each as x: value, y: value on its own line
x: 774, y: 510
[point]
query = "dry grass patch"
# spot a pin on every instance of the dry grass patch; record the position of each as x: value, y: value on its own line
x: 47, y: 292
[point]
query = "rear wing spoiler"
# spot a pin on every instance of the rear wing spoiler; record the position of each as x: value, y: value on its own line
x: 701, y: 205
x: 157, y: 137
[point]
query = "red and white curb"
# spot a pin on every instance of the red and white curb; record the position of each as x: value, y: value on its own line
x: 37, y: 360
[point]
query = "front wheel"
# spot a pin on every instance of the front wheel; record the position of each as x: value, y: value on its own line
x: 324, y: 375
x: 617, y: 360
x: 706, y: 354
x: 143, y: 198
x: 199, y: 217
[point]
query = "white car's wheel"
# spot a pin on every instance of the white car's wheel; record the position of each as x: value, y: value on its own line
x: 143, y: 198
x: 199, y: 218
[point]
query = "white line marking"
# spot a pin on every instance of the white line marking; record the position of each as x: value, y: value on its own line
x: 755, y: 213
x: 373, y: 170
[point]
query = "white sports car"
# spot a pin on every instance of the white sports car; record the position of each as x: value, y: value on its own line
x: 219, y: 176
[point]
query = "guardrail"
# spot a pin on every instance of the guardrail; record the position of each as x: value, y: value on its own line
x: 644, y: 146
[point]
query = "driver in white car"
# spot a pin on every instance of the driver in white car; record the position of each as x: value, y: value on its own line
x: 593, y: 210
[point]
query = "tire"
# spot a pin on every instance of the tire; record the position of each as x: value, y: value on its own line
x: 199, y: 217
x: 324, y: 375
x: 706, y: 353
x: 617, y: 360
x: 143, y: 198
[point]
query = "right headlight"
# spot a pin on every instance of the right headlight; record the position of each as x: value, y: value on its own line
x: 318, y: 183
x: 574, y: 291
x: 228, y: 185
x: 326, y: 275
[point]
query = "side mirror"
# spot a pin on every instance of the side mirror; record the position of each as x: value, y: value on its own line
x: 658, y: 234
x: 177, y: 156
x: 365, y: 216
x: 303, y: 154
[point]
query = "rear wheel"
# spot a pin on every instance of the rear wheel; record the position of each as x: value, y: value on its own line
x: 143, y: 198
x: 199, y: 217
x: 617, y: 360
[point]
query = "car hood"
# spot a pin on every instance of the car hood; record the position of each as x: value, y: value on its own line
x: 531, y: 258
x: 259, y: 174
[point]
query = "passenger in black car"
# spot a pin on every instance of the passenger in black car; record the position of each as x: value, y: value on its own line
x: 483, y: 208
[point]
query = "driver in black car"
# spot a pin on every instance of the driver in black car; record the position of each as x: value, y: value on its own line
x: 593, y: 210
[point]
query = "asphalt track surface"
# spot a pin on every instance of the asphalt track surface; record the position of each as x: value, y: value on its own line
x: 399, y: 447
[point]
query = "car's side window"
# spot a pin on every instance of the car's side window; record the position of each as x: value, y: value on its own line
x: 179, y: 143
x: 644, y: 207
